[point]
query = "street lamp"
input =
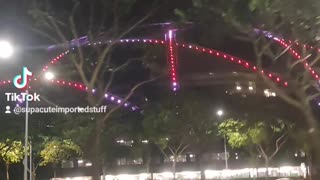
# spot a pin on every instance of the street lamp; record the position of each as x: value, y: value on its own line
x: 220, y: 113
x: 6, y: 49
x: 49, y: 76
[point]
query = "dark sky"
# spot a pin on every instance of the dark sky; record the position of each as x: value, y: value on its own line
x: 15, y: 26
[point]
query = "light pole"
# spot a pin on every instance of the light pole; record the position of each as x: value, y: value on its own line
x: 25, y: 171
x: 6, y: 51
x: 220, y: 113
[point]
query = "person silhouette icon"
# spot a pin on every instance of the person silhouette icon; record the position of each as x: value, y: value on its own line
x: 8, y: 110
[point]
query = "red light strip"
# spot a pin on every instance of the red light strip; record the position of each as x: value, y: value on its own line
x: 296, y: 55
x: 74, y: 85
x: 161, y: 42
x: 82, y: 87
x: 235, y: 60
x: 172, y: 59
x: 55, y: 60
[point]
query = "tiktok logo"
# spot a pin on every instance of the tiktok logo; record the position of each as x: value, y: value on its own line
x: 21, y: 81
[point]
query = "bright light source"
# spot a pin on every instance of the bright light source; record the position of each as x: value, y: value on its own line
x: 220, y: 112
x: 250, y: 88
x: 80, y: 161
x: 239, y: 88
x: 6, y: 50
x: 170, y: 34
x: 88, y: 164
x: 49, y: 76
x: 145, y: 141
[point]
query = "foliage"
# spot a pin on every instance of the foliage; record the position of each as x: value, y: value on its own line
x: 55, y: 150
x: 185, y: 121
x: 11, y: 151
x: 268, y: 137
x: 235, y: 132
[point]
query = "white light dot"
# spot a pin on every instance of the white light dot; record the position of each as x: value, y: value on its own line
x: 6, y: 50
x: 49, y: 75
x: 220, y: 112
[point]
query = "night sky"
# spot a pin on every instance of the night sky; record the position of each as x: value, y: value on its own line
x: 196, y: 70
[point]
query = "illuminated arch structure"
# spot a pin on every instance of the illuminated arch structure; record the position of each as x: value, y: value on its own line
x: 172, y: 47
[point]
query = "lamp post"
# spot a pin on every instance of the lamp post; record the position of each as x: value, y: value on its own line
x: 25, y: 171
x: 6, y: 51
x: 220, y: 113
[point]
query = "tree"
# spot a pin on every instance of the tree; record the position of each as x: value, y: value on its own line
x: 11, y: 152
x: 295, y: 20
x: 166, y: 130
x: 55, y: 150
x: 267, y: 137
x: 177, y: 123
x: 299, y: 139
x: 105, y: 20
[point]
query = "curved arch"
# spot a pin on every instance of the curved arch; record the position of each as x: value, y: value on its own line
x: 209, y: 51
x: 294, y: 53
x: 297, y: 56
x: 235, y: 60
x: 113, y: 98
x: 84, y: 88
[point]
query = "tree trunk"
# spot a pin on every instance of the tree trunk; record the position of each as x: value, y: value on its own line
x: 314, y: 135
x: 148, y: 167
x: 103, y: 170
x: 309, y: 164
x: 174, y: 164
x: 54, y: 172
x: 201, y: 167
x: 7, y: 171
x: 202, y: 175
x: 96, y: 152
x: 266, y: 161
x: 34, y: 175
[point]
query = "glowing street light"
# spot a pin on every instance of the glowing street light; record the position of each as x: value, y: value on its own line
x: 49, y: 76
x: 6, y: 49
x: 220, y: 112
